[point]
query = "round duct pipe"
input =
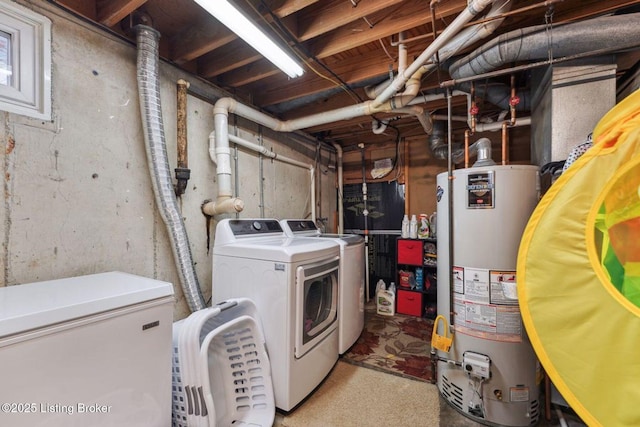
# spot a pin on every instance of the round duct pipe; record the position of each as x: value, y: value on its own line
x: 612, y: 33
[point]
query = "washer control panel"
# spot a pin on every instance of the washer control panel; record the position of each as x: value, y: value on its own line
x: 242, y: 227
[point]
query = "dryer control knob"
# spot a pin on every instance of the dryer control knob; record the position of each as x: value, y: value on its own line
x: 256, y: 225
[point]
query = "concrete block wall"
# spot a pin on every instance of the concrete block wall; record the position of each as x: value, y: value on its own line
x: 77, y: 196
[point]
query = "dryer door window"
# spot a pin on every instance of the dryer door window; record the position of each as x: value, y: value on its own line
x: 316, y: 304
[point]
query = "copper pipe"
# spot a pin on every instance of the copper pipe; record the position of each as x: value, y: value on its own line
x: 505, y: 125
x: 474, y: 108
x: 513, y: 101
x: 467, y: 133
x: 473, y: 111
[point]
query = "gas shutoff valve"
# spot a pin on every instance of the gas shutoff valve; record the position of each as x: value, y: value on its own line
x: 476, y: 365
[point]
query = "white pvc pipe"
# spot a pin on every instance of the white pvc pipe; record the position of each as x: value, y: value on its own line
x: 223, y: 155
x: 418, y: 112
x: 470, y: 35
x: 379, y: 126
x: 423, y: 99
x: 264, y: 151
x: 426, y: 120
x: 229, y: 105
x: 462, y: 40
x: 402, y: 54
x: 213, y: 148
x: 490, y: 127
x: 220, y: 154
x: 224, y: 106
x: 475, y: 7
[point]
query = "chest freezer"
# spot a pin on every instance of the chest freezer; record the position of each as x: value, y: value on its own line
x: 86, y: 351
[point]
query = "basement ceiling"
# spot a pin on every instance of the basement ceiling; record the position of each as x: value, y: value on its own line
x: 346, y: 45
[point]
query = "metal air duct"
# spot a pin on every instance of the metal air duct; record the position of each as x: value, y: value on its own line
x: 611, y: 33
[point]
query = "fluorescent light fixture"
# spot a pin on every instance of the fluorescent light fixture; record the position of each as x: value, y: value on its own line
x: 233, y: 19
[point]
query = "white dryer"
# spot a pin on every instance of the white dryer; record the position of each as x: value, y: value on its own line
x: 294, y: 284
x: 351, y: 279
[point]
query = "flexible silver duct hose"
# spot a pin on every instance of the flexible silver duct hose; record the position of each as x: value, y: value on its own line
x: 438, y: 144
x: 151, y: 112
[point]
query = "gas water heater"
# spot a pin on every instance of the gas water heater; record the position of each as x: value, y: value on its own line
x: 491, y: 373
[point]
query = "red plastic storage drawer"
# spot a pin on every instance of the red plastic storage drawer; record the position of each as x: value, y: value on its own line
x: 410, y: 252
x: 409, y: 303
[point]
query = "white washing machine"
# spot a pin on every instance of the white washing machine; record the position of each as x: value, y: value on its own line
x: 294, y: 284
x: 351, y: 278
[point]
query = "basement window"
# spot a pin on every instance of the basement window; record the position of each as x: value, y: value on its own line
x: 25, y: 62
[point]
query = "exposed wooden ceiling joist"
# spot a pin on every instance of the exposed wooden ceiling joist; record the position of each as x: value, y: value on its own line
x: 346, y: 42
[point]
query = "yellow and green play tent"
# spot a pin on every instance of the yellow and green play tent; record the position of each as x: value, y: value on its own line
x: 579, y: 275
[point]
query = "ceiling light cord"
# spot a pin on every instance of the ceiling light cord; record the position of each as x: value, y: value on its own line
x: 338, y: 82
x: 548, y: 20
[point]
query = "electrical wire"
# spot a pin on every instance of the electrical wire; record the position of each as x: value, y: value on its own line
x: 282, y: 29
x: 384, y: 48
x: 395, y: 163
x: 548, y: 20
x: 478, y: 391
x: 336, y: 80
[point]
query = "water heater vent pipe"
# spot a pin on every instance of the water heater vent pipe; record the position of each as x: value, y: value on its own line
x: 483, y: 148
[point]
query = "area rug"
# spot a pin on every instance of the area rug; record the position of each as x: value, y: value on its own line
x: 353, y: 396
x: 398, y: 345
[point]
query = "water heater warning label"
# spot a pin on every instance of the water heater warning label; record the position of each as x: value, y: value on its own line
x: 519, y: 394
x: 484, y: 311
x: 504, y: 289
x: 476, y: 285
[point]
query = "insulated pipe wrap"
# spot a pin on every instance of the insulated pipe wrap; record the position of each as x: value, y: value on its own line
x: 153, y: 128
x: 612, y: 33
